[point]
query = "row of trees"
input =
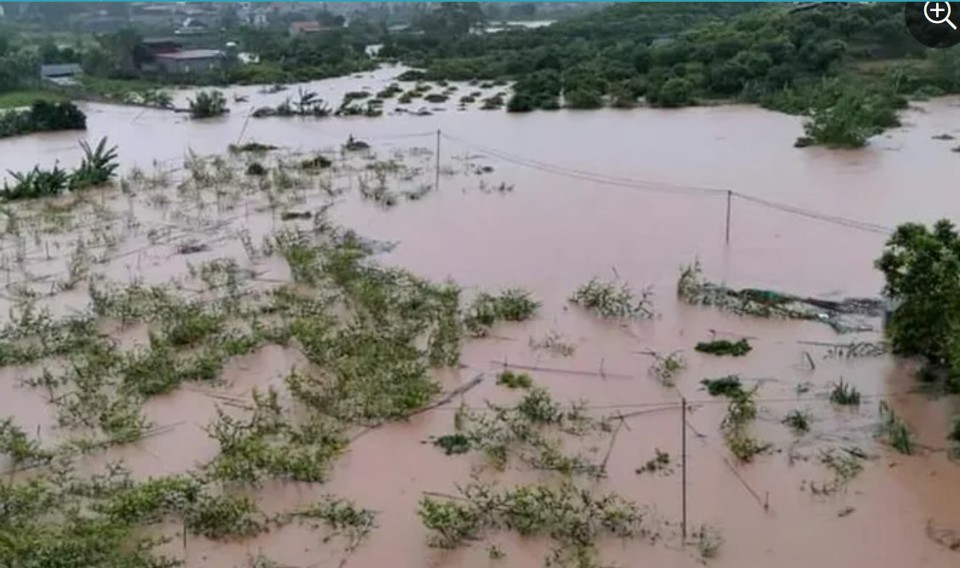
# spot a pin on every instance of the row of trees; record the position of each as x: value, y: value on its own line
x: 670, y: 55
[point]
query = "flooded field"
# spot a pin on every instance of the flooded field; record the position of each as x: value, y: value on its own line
x: 544, y: 202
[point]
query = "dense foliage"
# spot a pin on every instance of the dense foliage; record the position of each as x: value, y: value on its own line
x: 720, y: 50
x: 98, y: 166
x: 42, y: 116
x: 847, y: 66
x: 208, y: 104
x: 922, y: 270
x: 315, y: 56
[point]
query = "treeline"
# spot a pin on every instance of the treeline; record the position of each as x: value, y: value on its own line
x: 662, y: 52
x: 283, y: 59
x: 122, y: 55
x: 42, y: 116
x: 848, y: 66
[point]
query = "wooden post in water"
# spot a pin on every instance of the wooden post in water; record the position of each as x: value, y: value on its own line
x: 729, y: 199
x: 436, y: 182
x: 683, y: 469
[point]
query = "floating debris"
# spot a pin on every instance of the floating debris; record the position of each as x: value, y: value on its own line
x: 192, y: 247
x: 858, y: 349
x: 693, y: 288
x: 944, y: 537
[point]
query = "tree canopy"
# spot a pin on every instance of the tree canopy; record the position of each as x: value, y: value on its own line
x: 922, y: 270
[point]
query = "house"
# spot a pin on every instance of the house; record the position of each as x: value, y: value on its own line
x: 305, y: 27
x: 191, y: 26
x: 190, y: 61
x: 157, y: 45
x: 252, y: 16
x: 60, y: 73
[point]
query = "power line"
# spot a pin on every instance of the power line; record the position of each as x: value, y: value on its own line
x: 590, y: 176
x: 642, y: 185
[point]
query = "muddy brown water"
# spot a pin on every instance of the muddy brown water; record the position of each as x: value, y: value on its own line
x: 550, y: 234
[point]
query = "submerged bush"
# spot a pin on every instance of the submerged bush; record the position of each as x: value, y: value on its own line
x: 895, y: 430
x: 514, y: 304
x: 844, y: 394
x: 42, y: 116
x: 798, y: 421
x: 513, y: 380
x: 36, y: 183
x: 724, y: 347
x: 574, y: 518
x: 848, y: 118
x: 208, y: 104
x: 610, y: 300
x: 729, y: 386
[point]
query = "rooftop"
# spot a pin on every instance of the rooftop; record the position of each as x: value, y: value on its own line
x: 191, y: 54
x: 306, y: 26
x: 60, y: 69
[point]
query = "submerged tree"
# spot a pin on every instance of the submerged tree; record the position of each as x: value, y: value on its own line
x: 922, y: 270
x: 208, y: 104
x: 848, y: 119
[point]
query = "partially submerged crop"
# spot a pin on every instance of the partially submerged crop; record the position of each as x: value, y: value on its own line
x: 737, y: 348
x: 729, y: 386
x: 252, y: 146
x: 19, y: 447
x: 741, y: 412
x: 708, y: 541
x: 844, y: 463
x: 895, y: 431
x: 660, y: 463
x: 798, y: 421
x: 554, y: 343
x: 513, y: 380
x: 369, y: 337
x: 512, y: 304
x: 613, y: 300
x: 573, y: 518
x: 666, y: 368
x: 845, y: 394
x: 529, y: 430
x: 97, y: 167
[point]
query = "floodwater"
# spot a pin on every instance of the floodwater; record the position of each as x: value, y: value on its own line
x: 598, y: 193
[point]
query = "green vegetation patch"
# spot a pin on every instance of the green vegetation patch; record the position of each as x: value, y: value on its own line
x: 573, y: 518
x: 737, y: 348
x: 512, y: 304
x: 43, y: 115
x: 613, y: 300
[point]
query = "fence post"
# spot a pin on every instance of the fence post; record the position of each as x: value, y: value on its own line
x: 729, y: 199
x: 683, y: 469
x: 436, y: 181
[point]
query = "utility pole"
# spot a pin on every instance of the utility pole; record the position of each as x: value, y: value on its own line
x: 436, y: 181
x: 683, y: 468
x: 729, y: 199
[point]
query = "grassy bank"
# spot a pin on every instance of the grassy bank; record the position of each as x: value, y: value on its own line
x: 110, y: 88
x: 17, y: 99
